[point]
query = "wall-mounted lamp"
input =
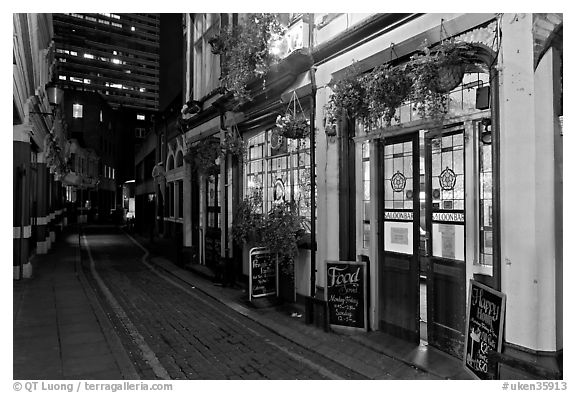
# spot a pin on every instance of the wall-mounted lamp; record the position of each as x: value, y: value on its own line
x: 55, y: 95
x: 486, y: 136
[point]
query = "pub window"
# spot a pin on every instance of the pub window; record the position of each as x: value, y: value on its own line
x: 171, y: 199
x: 279, y: 169
x: 365, y: 195
x: 485, y: 207
x: 180, y: 198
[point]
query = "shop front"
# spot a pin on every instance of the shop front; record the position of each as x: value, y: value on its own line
x: 433, y: 186
x: 423, y: 187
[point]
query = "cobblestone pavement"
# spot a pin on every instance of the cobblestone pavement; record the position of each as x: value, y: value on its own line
x: 177, y: 332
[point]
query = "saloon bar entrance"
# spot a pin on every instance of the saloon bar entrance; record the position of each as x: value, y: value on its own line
x: 422, y: 269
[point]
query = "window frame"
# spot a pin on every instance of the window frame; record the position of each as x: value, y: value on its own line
x: 296, y: 150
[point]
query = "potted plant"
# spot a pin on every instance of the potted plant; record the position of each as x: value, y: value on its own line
x: 280, y: 230
x: 248, y: 221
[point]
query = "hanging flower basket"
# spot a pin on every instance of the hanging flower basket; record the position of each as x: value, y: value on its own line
x: 293, y: 124
x: 449, y: 77
x: 204, y: 155
x: 233, y: 144
x: 292, y: 127
x: 386, y: 89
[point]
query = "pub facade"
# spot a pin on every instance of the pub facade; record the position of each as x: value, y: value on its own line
x: 429, y: 204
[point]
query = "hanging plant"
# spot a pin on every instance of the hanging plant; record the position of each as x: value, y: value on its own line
x: 233, y: 144
x: 245, y: 51
x: 204, y: 155
x: 293, y: 127
x: 349, y: 96
x: 437, y: 72
x: 386, y: 89
x: 425, y: 79
x: 293, y: 124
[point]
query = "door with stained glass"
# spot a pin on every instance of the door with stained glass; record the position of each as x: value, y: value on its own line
x: 212, y: 240
x: 446, y: 274
x: 399, y: 313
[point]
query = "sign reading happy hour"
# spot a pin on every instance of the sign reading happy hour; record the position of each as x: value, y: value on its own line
x: 346, y: 294
x: 484, y: 325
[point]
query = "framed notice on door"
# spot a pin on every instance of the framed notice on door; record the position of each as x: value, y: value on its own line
x: 346, y: 294
x: 483, y: 334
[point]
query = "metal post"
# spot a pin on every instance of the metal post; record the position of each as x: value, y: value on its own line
x: 312, y: 162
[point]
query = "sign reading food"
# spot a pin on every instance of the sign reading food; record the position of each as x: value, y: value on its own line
x: 346, y: 294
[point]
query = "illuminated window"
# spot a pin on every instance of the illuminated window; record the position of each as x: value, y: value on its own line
x: 77, y: 110
x: 133, y: 28
x: 62, y: 77
x: 87, y: 81
x: 90, y: 18
x: 73, y: 53
x: 116, y: 61
x: 74, y: 79
x: 278, y: 169
x: 100, y: 116
x: 366, y: 195
x: 88, y: 56
x: 140, y: 117
x: 117, y: 24
x: 485, y: 187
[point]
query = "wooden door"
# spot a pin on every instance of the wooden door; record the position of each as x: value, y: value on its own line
x: 212, y: 239
x: 446, y: 275
x: 400, y: 238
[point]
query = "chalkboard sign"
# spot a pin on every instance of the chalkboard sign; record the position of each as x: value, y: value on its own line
x: 263, y: 273
x: 346, y: 294
x: 484, y: 324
